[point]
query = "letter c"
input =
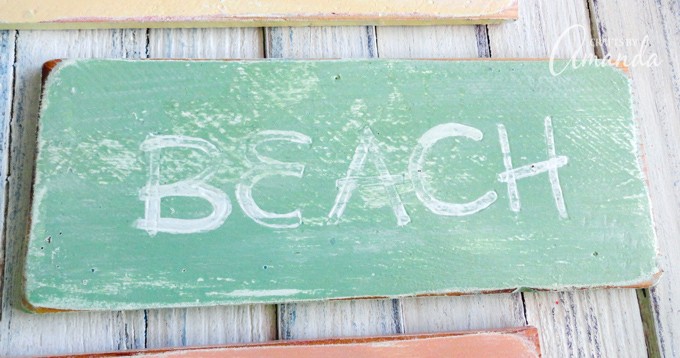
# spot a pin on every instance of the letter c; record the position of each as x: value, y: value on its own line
x: 415, y: 168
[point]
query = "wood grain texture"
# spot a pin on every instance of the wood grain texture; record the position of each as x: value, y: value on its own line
x: 206, y: 43
x: 597, y: 323
x: 428, y: 42
x: 339, y: 319
x: 32, y: 14
x: 331, y: 319
x: 581, y: 322
x: 22, y: 333
x: 654, y: 32
x: 213, y: 325
x: 7, y: 42
x: 210, y: 326
x: 320, y: 42
x: 438, y: 314
x: 510, y: 343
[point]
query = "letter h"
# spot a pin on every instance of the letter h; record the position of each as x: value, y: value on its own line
x: 554, y: 162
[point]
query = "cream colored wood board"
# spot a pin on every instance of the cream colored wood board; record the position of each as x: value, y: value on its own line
x: 32, y: 14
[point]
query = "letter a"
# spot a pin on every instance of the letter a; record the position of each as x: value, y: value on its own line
x: 195, y: 187
x: 367, y: 144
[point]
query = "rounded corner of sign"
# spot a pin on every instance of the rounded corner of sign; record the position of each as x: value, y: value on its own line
x: 27, y: 305
x: 648, y: 280
x: 621, y: 67
x: 49, y: 66
x: 36, y: 308
x: 654, y: 279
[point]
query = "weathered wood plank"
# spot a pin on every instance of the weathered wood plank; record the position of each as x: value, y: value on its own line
x: 206, y: 43
x: 518, y: 343
x: 428, y: 42
x: 649, y: 42
x: 32, y: 14
x: 7, y: 42
x: 331, y: 319
x: 565, y: 230
x: 591, y: 323
x: 438, y: 314
x: 339, y: 319
x: 320, y: 42
x: 581, y: 323
x: 210, y: 325
x: 27, y: 334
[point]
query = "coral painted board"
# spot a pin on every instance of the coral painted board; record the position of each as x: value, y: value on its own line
x: 510, y: 343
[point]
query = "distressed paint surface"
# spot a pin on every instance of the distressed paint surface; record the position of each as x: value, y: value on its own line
x: 32, y: 14
x: 90, y: 157
x: 515, y: 343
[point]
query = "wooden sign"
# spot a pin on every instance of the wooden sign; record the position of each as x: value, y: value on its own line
x: 52, y: 14
x: 188, y: 183
x: 511, y: 343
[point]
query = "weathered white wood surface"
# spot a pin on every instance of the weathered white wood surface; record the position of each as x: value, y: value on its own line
x: 320, y: 42
x: 205, y: 43
x: 211, y: 325
x: 7, y: 40
x: 654, y: 32
x: 599, y: 323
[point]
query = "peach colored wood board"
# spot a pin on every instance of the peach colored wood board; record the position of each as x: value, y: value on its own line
x: 53, y: 14
x: 515, y: 343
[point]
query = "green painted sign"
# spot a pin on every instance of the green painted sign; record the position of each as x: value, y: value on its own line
x: 177, y: 183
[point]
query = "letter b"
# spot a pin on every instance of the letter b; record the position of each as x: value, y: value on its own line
x: 195, y: 187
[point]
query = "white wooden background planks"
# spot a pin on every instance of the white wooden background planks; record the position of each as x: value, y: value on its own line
x: 6, y: 88
x: 596, y: 323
